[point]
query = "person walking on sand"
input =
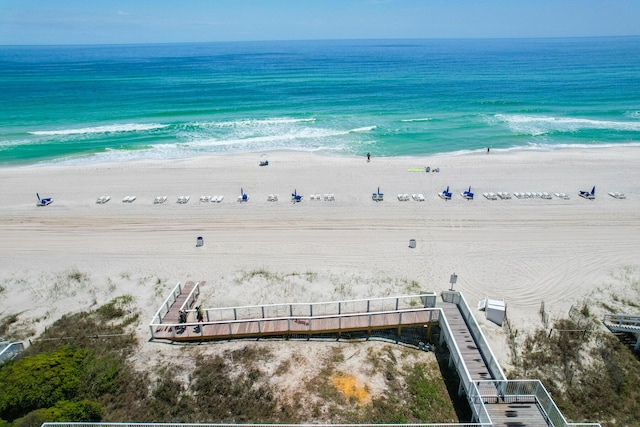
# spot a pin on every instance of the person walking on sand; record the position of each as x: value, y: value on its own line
x: 368, y: 157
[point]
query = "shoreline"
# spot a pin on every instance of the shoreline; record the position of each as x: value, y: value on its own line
x: 543, y: 148
x: 522, y: 250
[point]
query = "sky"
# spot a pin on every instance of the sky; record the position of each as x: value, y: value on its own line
x: 172, y: 21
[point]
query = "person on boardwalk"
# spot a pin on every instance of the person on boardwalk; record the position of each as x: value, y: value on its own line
x: 182, y: 318
x: 199, y: 317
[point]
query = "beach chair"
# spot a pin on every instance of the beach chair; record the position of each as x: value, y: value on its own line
x: 546, y: 196
x: 326, y: 197
x: 243, y: 197
x: 295, y: 197
x: 103, y: 199
x: 45, y: 201
x: 183, y: 200
x: 589, y: 195
x: 129, y: 199
x: 467, y: 194
x: 401, y: 197
x: 561, y: 196
x: 378, y: 197
x: 445, y: 194
x: 205, y: 199
x: 420, y: 197
x: 617, y: 195
x: 159, y: 200
x: 332, y: 197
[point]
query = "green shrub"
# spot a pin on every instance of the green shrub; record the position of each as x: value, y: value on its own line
x: 40, y: 381
x: 62, y: 411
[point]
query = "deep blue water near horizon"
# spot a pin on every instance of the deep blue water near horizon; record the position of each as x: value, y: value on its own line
x: 79, y: 104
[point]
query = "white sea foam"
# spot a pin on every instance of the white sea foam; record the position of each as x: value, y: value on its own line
x: 425, y: 119
x: 540, y: 125
x: 255, y: 122
x: 196, y: 142
x: 126, y: 127
x: 273, y: 141
x: 362, y: 129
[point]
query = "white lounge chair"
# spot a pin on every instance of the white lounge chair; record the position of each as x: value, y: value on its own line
x: 332, y: 197
x: 490, y: 196
x: 183, y: 200
x: 420, y: 197
x: 159, y: 200
x: 103, y: 199
x: 504, y: 195
x: 272, y: 198
x: 129, y: 199
x: 617, y: 195
x: 546, y: 196
x: 561, y: 196
x: 205, y: 199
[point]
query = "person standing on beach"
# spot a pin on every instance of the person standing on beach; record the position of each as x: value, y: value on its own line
x: 368, y: 157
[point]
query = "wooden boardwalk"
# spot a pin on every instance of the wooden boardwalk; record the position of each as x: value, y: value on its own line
x: 174, y: 311
x: 288, y: 326
x: 521, y: 411
x: 470, y: 353
x: 516, y: 414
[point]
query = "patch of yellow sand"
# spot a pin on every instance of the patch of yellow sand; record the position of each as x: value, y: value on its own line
x: 348, y: 385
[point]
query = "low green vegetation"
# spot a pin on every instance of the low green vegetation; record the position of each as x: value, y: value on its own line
x: 589, y: 373
x: 80, y: 369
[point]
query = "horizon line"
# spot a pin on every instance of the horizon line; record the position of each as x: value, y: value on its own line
x: 321, y: 40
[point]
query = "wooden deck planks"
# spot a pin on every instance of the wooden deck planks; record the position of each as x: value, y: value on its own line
x: 516, y: 415
x: 470, y: 353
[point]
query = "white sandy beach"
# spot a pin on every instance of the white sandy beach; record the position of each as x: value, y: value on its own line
x: 522, y: 250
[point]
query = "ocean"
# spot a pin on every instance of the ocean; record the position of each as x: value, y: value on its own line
x: 87, y: 104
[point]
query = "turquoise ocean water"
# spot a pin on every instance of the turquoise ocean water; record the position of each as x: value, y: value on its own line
x: 80, y: 104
